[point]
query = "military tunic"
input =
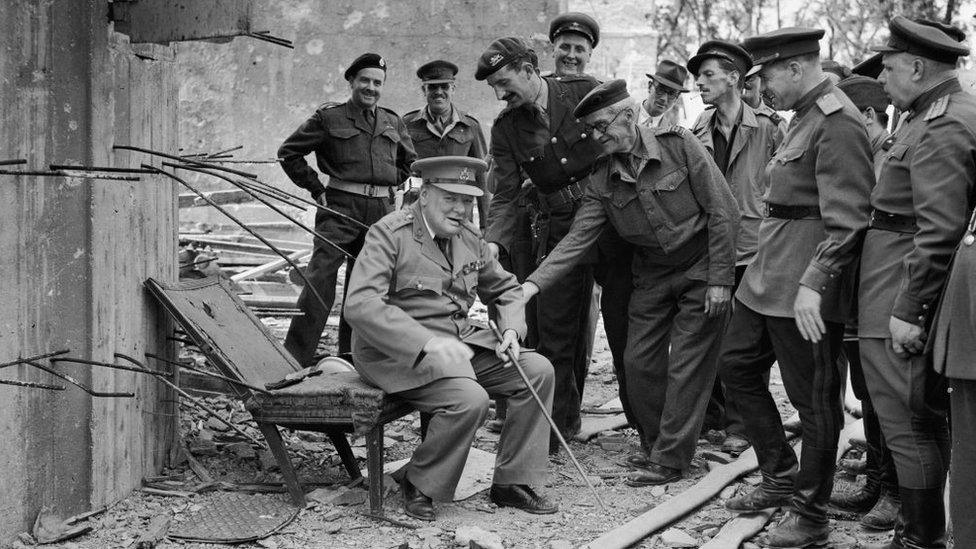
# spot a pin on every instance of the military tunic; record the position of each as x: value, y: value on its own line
x: 403, y: 291
x: 347, y: 149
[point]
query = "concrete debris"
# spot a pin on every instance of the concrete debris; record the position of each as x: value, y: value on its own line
x: 673, y: 537
x: 560, y: 544
x: 476, y: 538
x: 340, y: 496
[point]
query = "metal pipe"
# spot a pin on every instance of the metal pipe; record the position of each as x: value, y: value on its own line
x: 35, y: 357
x: 542, y: 407
x: 277, y: 210
x: 77, y: 383
x: 308, y: 283
x: 211, y: 374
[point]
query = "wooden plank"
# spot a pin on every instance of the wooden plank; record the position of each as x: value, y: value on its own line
x: 270, y: 267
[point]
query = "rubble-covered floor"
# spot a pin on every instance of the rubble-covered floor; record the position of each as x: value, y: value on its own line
x: 340, y: 523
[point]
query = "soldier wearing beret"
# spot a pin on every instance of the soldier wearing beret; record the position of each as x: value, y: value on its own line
x: 442, y: 129
x: 791, y: 297
x: 664, y: 87
x: 920, y: 207
x: 662, y: 193
x: 741, y: 140
x: 879, y: 494
x: 414, y: 282
x: 364, y: 150
x: 538, y: 138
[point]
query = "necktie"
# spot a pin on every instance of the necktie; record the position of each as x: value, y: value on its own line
x: 370, y: 117
x: 445, y: 245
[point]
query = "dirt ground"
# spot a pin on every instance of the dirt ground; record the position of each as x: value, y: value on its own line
x: 230, y: 459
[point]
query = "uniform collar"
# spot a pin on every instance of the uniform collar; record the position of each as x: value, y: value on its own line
x: 810, y: 98
x: 646, y: 148
x: 945, y: 86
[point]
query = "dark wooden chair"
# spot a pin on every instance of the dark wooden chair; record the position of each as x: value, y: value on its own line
x: 240, y: 346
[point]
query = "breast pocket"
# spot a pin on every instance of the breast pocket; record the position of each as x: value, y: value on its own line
x: 347, y: 148
x: 674, y: 193
x: 387, y: 143
x: 415, y: 285
x: 626, y: 213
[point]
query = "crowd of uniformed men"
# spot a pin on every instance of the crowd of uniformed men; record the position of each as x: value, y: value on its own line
x: 711, y: 253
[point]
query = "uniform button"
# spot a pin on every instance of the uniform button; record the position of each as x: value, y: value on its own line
x: 531, y: 159
x: 925, y: 307
x: 553, y: 140
x: 920, y: 317
x: 572, y: 180
x: 562, y: 160
x: 583, y: 135
x: 458, y: 315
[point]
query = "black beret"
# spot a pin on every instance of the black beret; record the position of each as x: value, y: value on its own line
x: 829, y: 65
x: 870, y: 67
x: 721, y: 49
x: 923, y: 40
x: 865, y: 92
x: 782, y: 44
x: 365, y: 61
x: 577, y: 22
x: 437, y: 72
x: 604, y: 95
x: 501, y: 52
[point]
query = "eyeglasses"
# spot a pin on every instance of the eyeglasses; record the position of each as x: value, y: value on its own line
x: 603, y: 125
x: 438, y: 86
x: 671, y: 93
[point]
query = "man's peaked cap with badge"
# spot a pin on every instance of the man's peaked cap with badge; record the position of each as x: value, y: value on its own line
x: 577, y: 22
x: 922, y: 39
x: 671, y: 75
x: 865, y: 92
x: 782, y: 44
x: 721, y: 49
x: 600, y: 97
x: 456, y: 174
x: 501, y: 52
x: 437, y: 71
x: 365, y: 61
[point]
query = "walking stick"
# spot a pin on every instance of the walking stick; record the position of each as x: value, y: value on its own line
x: 518, y: 367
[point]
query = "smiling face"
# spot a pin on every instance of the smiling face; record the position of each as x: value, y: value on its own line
x: 439, y: 97
x: 445, y: 211
x: 366, y: 87
x: 779, y: 83
x: 572, y: 53
x: 660, y: 98
x: 514, y: 86
x: 714, y: 81
x: 613, y: 127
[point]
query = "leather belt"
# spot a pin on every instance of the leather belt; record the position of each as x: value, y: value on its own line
x: 569, y: 194
x: 362, y: 189
x: 781, y: 211
x: 897, y: 223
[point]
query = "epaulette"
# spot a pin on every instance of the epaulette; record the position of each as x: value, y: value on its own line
x: 329, y: 105
x: 389, y: 110
x: 473, y: 121
x: 399, y: 219
x: 674, y: 130
x: 772, y: 115
x: 938, y: 108
x: 829, y: 104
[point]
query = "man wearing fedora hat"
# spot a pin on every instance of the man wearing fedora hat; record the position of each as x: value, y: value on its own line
x: 441, y: 128
x: 663, y: 89
x: 741, y: 141
x: 420, y: 270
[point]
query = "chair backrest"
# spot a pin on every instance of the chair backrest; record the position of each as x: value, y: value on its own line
x: 230, y: 336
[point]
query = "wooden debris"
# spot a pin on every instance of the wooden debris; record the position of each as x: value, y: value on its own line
x: 154, y: 533
x: 739, y: 529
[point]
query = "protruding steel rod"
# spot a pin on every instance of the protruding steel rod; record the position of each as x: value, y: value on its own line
x: 113, y: 169
x: 211, y: 374
x: 542, y: 407
x: 308, y: 283
x: 106, y: 365
x: 183, y: 159
x: 13, y: 162
x: 77, y: 383
x: 35, y: 357
x: 225, y: 151
x: 314, y: 204
x: 272, y: 39
x: 31, y: 384
x: 84, y: 175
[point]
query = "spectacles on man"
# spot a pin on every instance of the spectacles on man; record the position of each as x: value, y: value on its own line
x: 603, y: 125
x: 660, y: 88
x: 438, y: 86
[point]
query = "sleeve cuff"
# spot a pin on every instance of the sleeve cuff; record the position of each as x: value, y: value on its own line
x: 819, y: 278
x: 911, y: 310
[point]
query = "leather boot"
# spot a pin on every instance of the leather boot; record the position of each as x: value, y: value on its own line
x: 806, y: 525
x: 884, y: 514
x: 860, y: 499
x: 796, y: 531
x: 777, y: 463
x: 924, y: 518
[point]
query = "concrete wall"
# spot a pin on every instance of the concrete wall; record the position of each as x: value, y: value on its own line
x: 75, y: 253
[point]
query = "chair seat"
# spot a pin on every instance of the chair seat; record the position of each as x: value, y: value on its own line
x: 340, y: 399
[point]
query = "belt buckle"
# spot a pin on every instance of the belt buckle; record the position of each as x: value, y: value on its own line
x: 765, y: 209
x: 370, y: 190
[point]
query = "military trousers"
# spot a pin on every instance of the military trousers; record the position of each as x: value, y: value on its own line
x: 323, y: 269
x: 912, y: 405
x: 459, y: 405
x: 962, y: 497
x: 613, y: 272
x: 670, y: 361
x: 880, y: 464
x: 812, y: 378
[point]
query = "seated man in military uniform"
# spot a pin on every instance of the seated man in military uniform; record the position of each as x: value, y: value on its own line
x: 409, y: 296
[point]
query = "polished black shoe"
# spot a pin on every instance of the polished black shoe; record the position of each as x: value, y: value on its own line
x: 858, y: 500
x: 758, y: 499
x: 415, y: 503
x: 521, y: 497
x: 884, y: 514
x: 796, y: 531
x: 636, y: 460
x: 734, y: 444
x: 653, y: 475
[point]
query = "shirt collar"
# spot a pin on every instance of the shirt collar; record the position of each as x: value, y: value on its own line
x: 809, y: 98
x: 944, y: 86
x: 646, y: 148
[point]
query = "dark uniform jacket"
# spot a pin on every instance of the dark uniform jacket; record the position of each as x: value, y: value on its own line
x: 553, y: 153
x: 678, y: 197
x: 952, y: 340
x: 756, y: 138
x: 928, y: 173
x: 403, y: 291
x: 824, y: 163
x: 347, y: 149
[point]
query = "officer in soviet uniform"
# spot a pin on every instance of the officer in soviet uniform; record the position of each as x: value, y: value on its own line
x: 537, y: 137
x: 365, y: 151
x: 442, y: 129
x: 920, y: 207
x: 662, y: 193
x: 420, y: 270
x: 741, y: 141
x: 791, y: 296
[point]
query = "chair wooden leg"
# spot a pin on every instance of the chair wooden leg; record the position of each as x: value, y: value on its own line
x: 374, y: 464
x: 277, y: 446
x: 341, y: 444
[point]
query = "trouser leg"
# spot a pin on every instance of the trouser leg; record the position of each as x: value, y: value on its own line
x: 744, y: 365
x: 880, y: 466
x: 812, y: 379
x: 962, y: 496
x: 524, y: 442
x: 457, y: 407
x: 613, y: 272
x: 691, y: 369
